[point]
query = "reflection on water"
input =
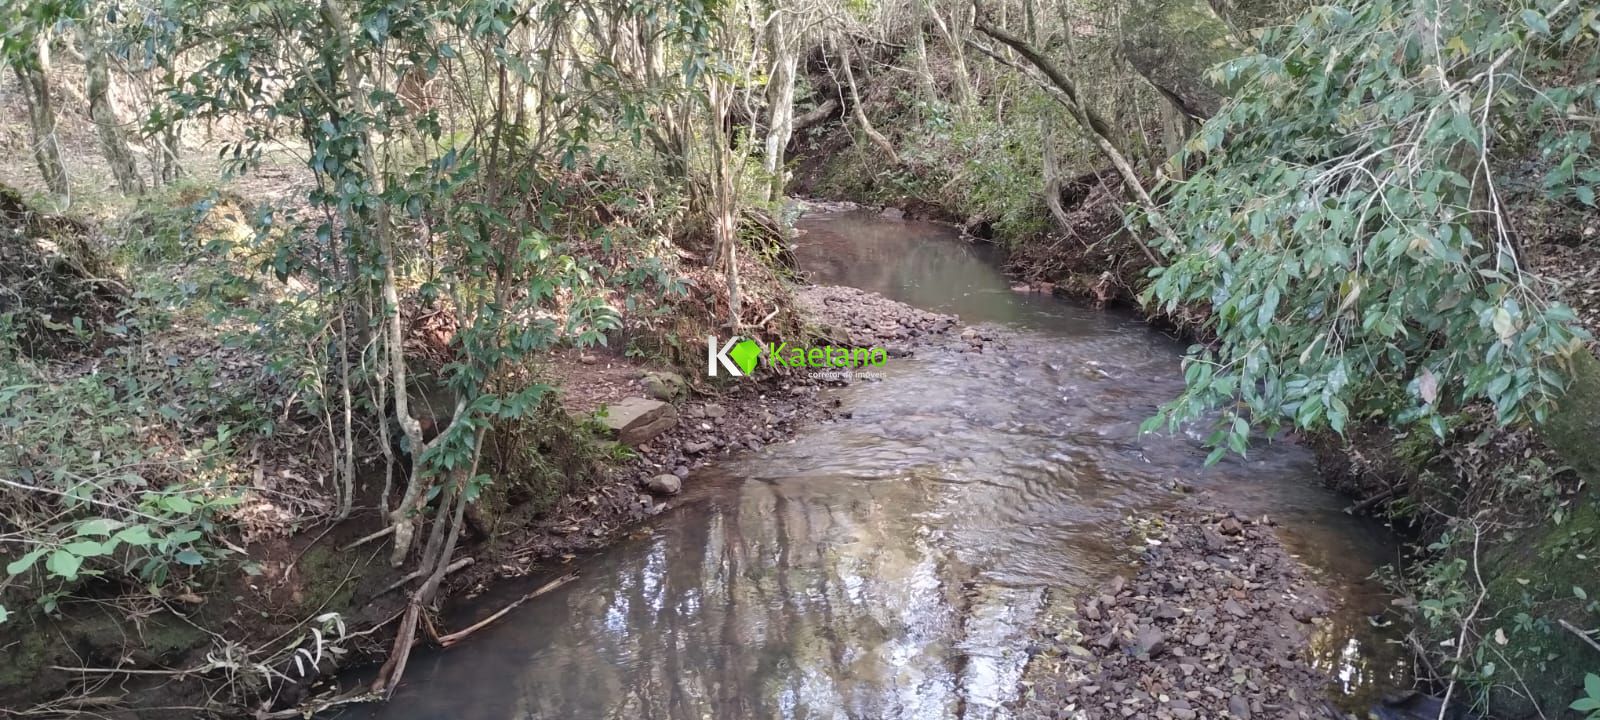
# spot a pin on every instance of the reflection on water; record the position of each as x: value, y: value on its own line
x: 891, y: 565
x: 897, y: 260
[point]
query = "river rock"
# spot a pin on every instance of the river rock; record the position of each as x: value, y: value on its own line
x: 664, y: 385
x: 1150, y: 643
x: 1167, y: 611
x: 665, y: 484
x: 636, y: 421
x: 713, y: 410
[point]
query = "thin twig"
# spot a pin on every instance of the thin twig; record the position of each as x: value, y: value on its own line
x: 457, y: 565
x: 1575, y: 630
x: 1466, y: 623
x: 458, y: 636
x: 387, y: 530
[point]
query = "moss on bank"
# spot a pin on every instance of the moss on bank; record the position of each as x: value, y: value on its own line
x: 1549, y: 574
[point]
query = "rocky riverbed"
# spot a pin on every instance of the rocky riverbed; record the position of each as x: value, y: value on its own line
x: 1214, y: 623
x: 867, y: 319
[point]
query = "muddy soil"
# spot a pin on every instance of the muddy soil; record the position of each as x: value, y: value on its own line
x: 1215, y: 622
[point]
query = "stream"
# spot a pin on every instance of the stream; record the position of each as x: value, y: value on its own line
x: 894, y: 563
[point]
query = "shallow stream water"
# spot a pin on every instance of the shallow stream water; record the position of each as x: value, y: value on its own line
x: 893, y: 564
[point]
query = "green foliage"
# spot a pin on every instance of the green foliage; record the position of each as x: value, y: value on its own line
x: 1590, y: 702
x: 1349, y: 220
x: 101, y: 492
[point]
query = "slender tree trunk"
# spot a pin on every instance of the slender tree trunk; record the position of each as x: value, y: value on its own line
x: 113, y: 143
x: 780, y: 101
x: 1174, y: 128
x: 1052, y: 176
x: 164, y: 146
x: 860, y: 113
x: 723, y: 211
x: 1050, y: 161
x: 337, y: 21
x: 33, y: 69
x: 1095, y: 128
x: 925, y: 81
x: 958, y: 57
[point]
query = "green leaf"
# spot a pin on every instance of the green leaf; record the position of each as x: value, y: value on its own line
x: 183, y: 537
x: 1536, y: 21
x: 89, y: 548
x: 1579, y: 593
x: 4, y: 614
x: 1591, y: 685
x: 1504, y: 326
x: 1585, y: 194
x: 136, y: 535
x: 190, y: 557
x: 63, y: 564
x: 21, y: 564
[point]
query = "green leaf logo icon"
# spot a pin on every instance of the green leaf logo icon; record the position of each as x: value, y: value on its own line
x: 744, y: 355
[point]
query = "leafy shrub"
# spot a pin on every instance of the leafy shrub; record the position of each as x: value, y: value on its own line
x: 1348, y: 219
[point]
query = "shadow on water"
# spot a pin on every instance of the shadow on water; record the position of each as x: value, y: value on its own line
x: 892, y: 564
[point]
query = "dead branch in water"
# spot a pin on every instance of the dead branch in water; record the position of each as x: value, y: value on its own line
x: 1369, y: 502
x: 458, y: 636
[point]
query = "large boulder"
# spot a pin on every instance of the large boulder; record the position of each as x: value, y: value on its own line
x: 636, y: 421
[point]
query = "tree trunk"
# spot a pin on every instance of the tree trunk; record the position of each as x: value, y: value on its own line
x: 1052, y: 175
x: 1095, y: 127
x: 33, y: 69
x: 1051, y: 163
x: 113, y: 144
x: 1174, y: 130
x: 164, y: 145
x: 925, y: 81
x: 353, y: 76
x: 819, y: 114
x: 860, y: 113
x: 723, y: 204
x: 780, y: 102
x: 958, y: 56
